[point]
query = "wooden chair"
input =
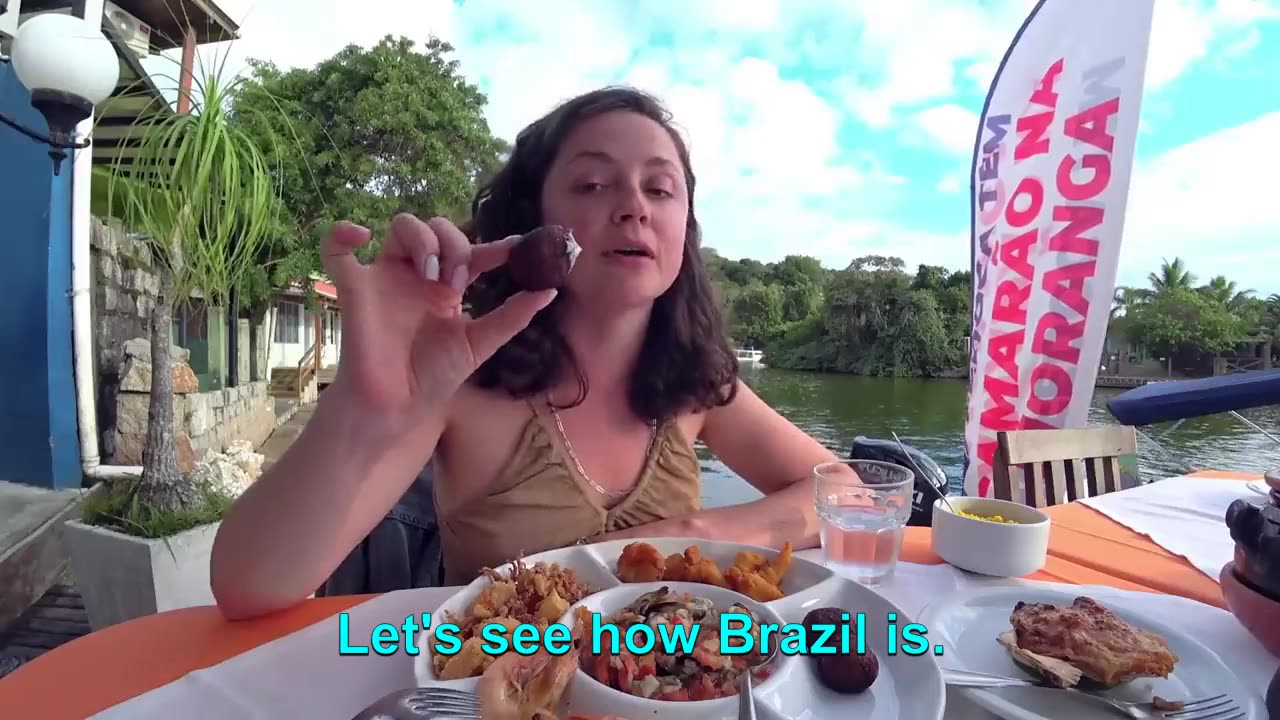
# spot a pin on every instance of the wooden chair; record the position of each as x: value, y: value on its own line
x: 1048, y: 467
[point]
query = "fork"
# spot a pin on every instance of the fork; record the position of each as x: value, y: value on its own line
x: 428, y: 703
x: 1217, y: 707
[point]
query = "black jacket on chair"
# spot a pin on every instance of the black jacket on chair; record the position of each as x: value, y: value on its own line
x: 402, y: 551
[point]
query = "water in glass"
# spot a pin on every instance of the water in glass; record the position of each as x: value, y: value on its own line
x: 863, y: 514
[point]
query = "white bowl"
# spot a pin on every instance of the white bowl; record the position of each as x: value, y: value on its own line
x: 576, y: 558
x: 590, y: 696
x: 991, y: 548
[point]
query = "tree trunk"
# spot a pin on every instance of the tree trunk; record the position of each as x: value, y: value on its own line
x: 162, y: 487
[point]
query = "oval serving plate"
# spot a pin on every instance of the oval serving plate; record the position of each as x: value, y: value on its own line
x: 907, y: 686
x: 966, y: 625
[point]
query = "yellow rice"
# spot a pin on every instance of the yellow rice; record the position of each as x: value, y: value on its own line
x: 988, y: 518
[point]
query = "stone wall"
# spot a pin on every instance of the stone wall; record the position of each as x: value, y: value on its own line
x: 203, y: 422
x: 124, y: 288
x: 215, y: 420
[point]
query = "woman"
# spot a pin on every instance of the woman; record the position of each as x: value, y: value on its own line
x: 554, y: 416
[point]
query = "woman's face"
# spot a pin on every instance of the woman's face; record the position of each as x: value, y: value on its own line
x: 618, y: 183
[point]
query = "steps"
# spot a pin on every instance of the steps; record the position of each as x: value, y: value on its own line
x: 284, y: 382
x: 326, y: 377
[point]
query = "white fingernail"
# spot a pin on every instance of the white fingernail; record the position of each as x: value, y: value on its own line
x: 460, y: 277
x: 431, y: 268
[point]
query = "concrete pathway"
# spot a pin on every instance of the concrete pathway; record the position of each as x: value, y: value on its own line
x: 283, y: 437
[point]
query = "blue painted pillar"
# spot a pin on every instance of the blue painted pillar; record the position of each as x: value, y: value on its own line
x: 39, y: 441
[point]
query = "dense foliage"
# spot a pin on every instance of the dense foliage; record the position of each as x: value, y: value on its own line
x: 363, y: 135
x: 872, y: 318
x: 1176, y: 317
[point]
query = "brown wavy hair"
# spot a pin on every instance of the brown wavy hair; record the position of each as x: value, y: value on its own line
x: 686, y: 362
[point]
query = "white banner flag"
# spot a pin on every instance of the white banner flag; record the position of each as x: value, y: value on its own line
x: 1050, y: 180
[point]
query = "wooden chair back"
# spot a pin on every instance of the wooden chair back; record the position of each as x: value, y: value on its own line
x: 1041, y: 468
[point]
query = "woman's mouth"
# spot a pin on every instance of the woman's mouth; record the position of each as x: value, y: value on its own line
x: 631, y: 251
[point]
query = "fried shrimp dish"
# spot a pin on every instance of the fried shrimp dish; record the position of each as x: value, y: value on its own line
x: 537, y: 595
x: 1066, y: 643
x: 692, y: 667
x: 752, y: 574
x: 530, y: 687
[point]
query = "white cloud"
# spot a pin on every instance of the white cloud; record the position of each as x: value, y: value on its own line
x: 1184, y: 31
x: 773, y: 178
x: 948, y: 127
x: 1213, y: 203
x: 915, y: 50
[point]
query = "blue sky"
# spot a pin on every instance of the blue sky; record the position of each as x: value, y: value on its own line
x: 838, y: 128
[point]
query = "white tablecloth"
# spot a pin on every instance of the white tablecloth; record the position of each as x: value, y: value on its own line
x: 302, y: 675
x: 1184, y: 515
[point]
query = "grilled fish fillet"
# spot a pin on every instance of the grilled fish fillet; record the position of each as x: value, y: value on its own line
x: 1093, y: 639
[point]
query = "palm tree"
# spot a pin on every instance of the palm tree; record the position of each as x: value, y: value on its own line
x: 1126, y: 298
x: 1222, y: 290
x: 1172, y: 276
x: 201, y: 193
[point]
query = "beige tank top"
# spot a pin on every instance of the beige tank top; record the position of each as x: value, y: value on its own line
x: 540, y: 501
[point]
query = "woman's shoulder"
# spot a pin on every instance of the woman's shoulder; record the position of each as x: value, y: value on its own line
x: 476, y: 409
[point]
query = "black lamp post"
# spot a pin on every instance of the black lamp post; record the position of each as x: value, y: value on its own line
x: 69, y: 66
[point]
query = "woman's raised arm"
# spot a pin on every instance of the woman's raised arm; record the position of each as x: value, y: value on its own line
x: 406, y: 349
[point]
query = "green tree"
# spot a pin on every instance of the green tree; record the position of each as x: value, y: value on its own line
x: 757, y: 313
x: 365, y: 134
x: 797, y: 270
x: 1180, y: 319
x: 1227, y: 292
x: 1171, y: 276
x: 871, y: 318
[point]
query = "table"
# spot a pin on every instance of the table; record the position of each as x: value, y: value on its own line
x: 105, y: 668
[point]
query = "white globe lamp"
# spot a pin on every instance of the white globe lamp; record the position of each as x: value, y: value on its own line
x: 69, y: 66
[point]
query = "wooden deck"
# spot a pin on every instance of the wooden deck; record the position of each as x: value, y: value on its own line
x: 57, y: 618
x: 1118, y: 381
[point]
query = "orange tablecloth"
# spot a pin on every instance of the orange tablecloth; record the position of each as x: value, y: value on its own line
x: 107, y: 667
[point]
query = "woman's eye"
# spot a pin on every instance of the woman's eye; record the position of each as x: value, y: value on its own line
x: 589, y: 187
x: 661, y: 192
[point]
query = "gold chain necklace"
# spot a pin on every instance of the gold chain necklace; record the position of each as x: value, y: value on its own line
x: 568, y: 446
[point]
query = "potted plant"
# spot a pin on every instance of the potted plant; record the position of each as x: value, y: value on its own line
x: 203, y: 195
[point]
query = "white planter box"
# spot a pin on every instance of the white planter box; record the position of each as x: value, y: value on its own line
x: 122, y: 577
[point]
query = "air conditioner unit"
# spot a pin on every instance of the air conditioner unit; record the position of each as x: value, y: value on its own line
x: 9, y: 18
x: 135, y: 33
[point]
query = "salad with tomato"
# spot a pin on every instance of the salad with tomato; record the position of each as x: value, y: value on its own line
x: 685, y: 662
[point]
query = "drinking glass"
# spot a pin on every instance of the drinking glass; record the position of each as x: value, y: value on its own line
x: 863, y: 506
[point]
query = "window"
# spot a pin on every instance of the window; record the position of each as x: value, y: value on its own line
x: 189, y: 324
x: 288, y: 320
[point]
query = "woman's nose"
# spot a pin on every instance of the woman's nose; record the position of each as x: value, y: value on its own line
x: 631, y: 206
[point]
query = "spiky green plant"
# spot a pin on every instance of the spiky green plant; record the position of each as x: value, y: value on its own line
x: 203, y: 196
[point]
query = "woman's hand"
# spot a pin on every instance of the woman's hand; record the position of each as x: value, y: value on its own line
x: 406, y: 344
x: 406, y: 348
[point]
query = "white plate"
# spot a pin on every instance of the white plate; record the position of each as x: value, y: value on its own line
x: 967, y: 624
x: 907, y: 687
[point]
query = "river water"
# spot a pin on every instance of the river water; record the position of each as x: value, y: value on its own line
x: 929, y: 415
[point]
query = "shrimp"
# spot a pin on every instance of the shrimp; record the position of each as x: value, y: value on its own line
x: 519, y: 687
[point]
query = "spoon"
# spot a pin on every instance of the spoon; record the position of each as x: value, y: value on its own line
x: 747, y: 700
x: 920, y: 472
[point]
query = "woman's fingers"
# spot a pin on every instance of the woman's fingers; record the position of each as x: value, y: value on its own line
x: 491, y: 331
x: 337, y: 251
x: 410, y: 240
x: 455, y: 253
x: 490, y: 255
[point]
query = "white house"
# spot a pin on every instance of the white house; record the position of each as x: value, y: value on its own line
x: 299, y: 334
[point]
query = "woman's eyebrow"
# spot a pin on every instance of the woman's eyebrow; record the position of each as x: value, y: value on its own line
x: 656, y: 160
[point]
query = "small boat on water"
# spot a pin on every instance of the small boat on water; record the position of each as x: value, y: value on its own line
x: 749, y: 356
